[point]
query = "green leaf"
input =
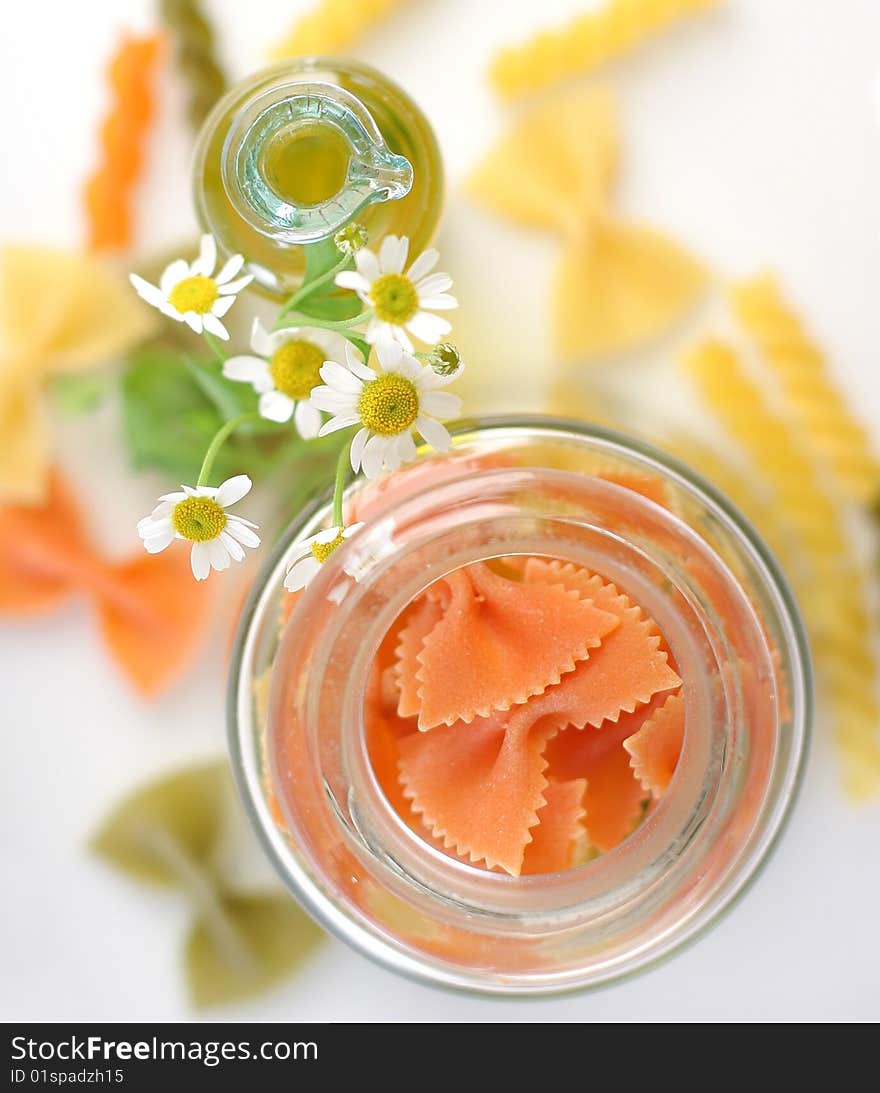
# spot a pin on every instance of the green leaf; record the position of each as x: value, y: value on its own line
x: 335, y: 305
x: 320, y: 257
x: 172, y: 407
x: 174, y: 819
x: 255, y: 943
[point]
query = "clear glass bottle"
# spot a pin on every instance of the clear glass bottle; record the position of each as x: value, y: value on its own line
x: 296, y: 151
x: 296, y: 711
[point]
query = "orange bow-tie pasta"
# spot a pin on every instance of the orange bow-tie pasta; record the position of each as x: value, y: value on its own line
x: 523, y: 714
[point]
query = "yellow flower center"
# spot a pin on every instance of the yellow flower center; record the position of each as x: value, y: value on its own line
x: 198, y: 519
x: 394, y: 298
x: 322, y: 551
x: 389, y: 404
x: 194, y: 294
x: 295, y: 368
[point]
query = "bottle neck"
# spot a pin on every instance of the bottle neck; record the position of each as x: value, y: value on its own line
x: 301, y: 160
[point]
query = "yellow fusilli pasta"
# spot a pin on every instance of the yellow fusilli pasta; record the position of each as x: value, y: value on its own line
x: 585, y: 42
x: 813, y: 403
x: 834, y: 594
x: 332, y: 27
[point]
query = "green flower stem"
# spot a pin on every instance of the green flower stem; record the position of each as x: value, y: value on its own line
x: 342, y: 465
x: 308, y: 287
x: 216, y: 347
x: 298, y: 319
x: 217, y: 443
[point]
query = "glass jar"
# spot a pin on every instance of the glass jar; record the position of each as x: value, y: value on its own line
x: 297, y: 150
x: 529, y: 487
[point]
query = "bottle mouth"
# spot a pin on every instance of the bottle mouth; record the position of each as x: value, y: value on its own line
x: 303, y: 159
x: 738, y: 767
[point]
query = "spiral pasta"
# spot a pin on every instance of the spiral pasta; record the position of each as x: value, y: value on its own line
x: 814, y: 405
x: 196, y: 55
x: 586, y: 42
x: 332, y: 27
x: 108, y: 193
x: 833, y: 597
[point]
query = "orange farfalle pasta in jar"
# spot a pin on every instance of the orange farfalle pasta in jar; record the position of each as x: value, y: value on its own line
x: 536, y: 723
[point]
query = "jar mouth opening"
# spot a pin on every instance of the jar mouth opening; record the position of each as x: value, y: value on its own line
x: 391, y: 573
x: 677, y: 831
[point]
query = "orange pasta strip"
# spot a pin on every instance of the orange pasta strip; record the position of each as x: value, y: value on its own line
x: 613, y: 800
x: 479, y: 786
x: 500, y: 642
x: 655, y: 748
x: 560, y: 826
x: 108, y: 193
x: 424, y: 617
x: 627, y: 670
x: 572, y: 752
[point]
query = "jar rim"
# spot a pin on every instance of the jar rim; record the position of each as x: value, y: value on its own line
x: 240, y: 712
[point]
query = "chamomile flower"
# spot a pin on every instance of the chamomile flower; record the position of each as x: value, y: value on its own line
x: 313, y: 553
x: 388, y: 405
x: 284, y: 371
x: 401, y: 302
x: 198, y: 514
x: 188, y: 292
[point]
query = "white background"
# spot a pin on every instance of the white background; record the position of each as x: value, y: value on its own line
x: 753, y: 134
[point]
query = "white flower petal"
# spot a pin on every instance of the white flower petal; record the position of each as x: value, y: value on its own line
x: 261, y: 339
x: 248, y: 369
x: 233, y: 548
x: 433, y: 432
x: 153, y: 544
x: 428, y: 328
x: 423, y: 266
x: 232, y: 490
x: 440, y: 404
x: 327, y: 535
x: 434, y: 285
x: 399, y: 335
x: 163, y: 510
x: 215, y: 327
x: 354, y: 361
x: 357, y: 448
x: 200, y: 560
x: 441, y: 302
x: 392, y: 254
x: 301, y: 572
x: 152, y: 295
x: 221, y: 305
x: 390, y: 356
x: 415, y: 371
x: 230, y: 269
x: 333, y: 402
x: 193, y: 321
x: 351, y: 278
x: 367, y: 264
x: 218, y: 554
x: 232, y: 287
x: 373, y: 456
x: 173, y: 274
x: 207, y: 259
x: 352, y: 529
x: 307, y: 419
x: 242, y: 531
x: 276, y: 406
x: 406, y: 447
x: 340, y: 378
x: 341, y: 421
